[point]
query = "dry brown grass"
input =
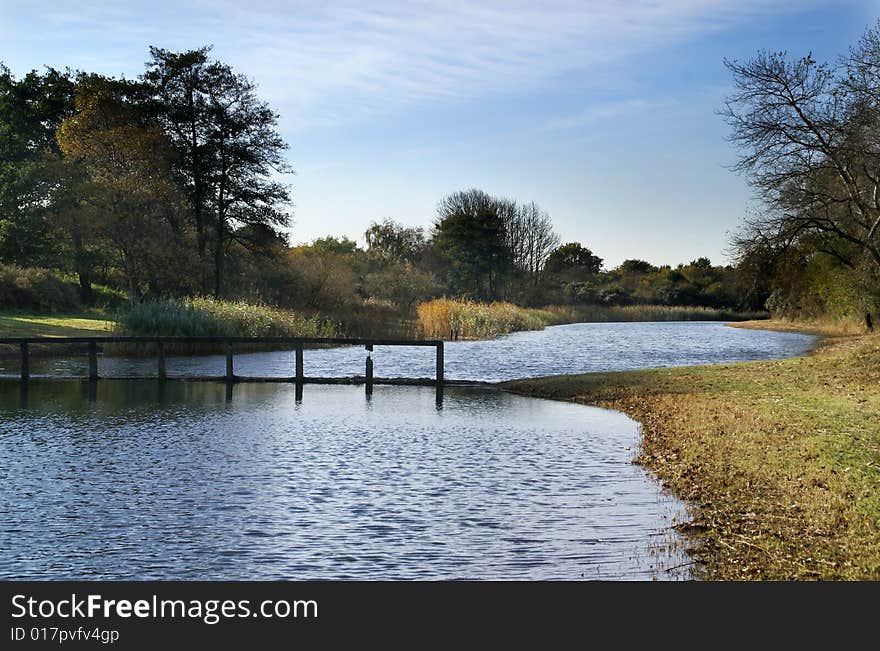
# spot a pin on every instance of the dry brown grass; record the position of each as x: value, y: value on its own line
x: 827, y: 327
x: 446, y: 318
x: 780, y: 460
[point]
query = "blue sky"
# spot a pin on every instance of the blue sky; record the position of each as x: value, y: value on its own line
x: 601, y: 112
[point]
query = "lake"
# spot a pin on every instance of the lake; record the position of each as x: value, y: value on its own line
x: 574, y: 348
x: 138, y: 479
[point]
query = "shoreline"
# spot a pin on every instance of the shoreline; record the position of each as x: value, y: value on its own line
x: 778, y: 461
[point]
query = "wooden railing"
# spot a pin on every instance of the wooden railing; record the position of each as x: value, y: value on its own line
x: 228, y: 344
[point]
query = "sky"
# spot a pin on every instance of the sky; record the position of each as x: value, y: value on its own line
x: 604, y: 113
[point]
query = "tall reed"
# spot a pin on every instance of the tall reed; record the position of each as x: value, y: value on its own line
x: 208, y: 317
x: 461, y: 319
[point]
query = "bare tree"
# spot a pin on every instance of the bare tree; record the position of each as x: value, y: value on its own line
x: 536, y: 240
x: 809, y: 136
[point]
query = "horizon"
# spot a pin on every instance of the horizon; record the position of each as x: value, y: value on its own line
x: 603, y: 116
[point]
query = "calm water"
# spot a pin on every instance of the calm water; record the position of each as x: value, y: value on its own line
x: 178, y: 482
x: 139, y: 480
x: 576, y: 348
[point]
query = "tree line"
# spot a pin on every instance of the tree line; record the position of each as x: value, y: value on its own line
x: 154, y: 178
x: 167, y: 186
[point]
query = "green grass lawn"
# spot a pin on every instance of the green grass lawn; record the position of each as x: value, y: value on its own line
x: 41, y: 325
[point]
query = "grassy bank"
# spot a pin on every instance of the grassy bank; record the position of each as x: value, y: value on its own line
x: 13, y: 324
x: 17, y: 324
x: 780, y: 460
x: 445, y: 318
x: 626, y: 313
x: 824, y: 327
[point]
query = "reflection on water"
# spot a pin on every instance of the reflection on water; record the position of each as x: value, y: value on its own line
x: 575, y: 348
x: 147, y: 480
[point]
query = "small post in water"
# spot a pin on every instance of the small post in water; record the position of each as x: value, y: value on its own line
x: 229, y: 374
x: 160, y: 360
x: 440, y: 364
x: 25, y: 362
x: 369, y: 370
x: 93, y: 361
x: 299, y: 363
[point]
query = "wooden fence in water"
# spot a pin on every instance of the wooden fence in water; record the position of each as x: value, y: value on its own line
x: 228, y: 345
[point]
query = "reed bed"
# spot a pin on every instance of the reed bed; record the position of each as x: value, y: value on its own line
x: 208, y: 317
x: 445, y: 318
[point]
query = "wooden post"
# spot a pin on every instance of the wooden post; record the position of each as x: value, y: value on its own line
x: 368, y: 385
x: 25, y: 362
x: 93, y: 361
x: 440, y: 364
x: 160, y: 360
x: 298, y: 395
x: 299, y: 364
x: 230, y: 376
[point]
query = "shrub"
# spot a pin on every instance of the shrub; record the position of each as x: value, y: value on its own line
x: 40, y: 290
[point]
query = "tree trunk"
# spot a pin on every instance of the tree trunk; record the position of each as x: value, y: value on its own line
x: 218, y: 257
x: 133, y: 294
x: 82, y: 267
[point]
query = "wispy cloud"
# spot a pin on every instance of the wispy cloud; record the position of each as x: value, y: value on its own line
x: 341, y: 61
x: 628, y: 108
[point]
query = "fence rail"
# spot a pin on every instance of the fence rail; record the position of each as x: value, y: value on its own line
x: 298, y: 343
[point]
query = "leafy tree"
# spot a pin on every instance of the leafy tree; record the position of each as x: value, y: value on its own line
x: 334, y: 245
x: 573, y: 256
x: 30, y: 110
x: 228, y: 148
x: 636, y: 267
x: 126, y: 193
x: 471, y: 234
x: 388, y: 242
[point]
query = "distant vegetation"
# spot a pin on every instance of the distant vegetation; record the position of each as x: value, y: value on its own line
x: 42, y: 290
x: 598, y: 313
x: 163, y: 188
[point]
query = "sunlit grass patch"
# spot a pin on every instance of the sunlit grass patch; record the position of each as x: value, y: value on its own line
x: 35, y: 325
